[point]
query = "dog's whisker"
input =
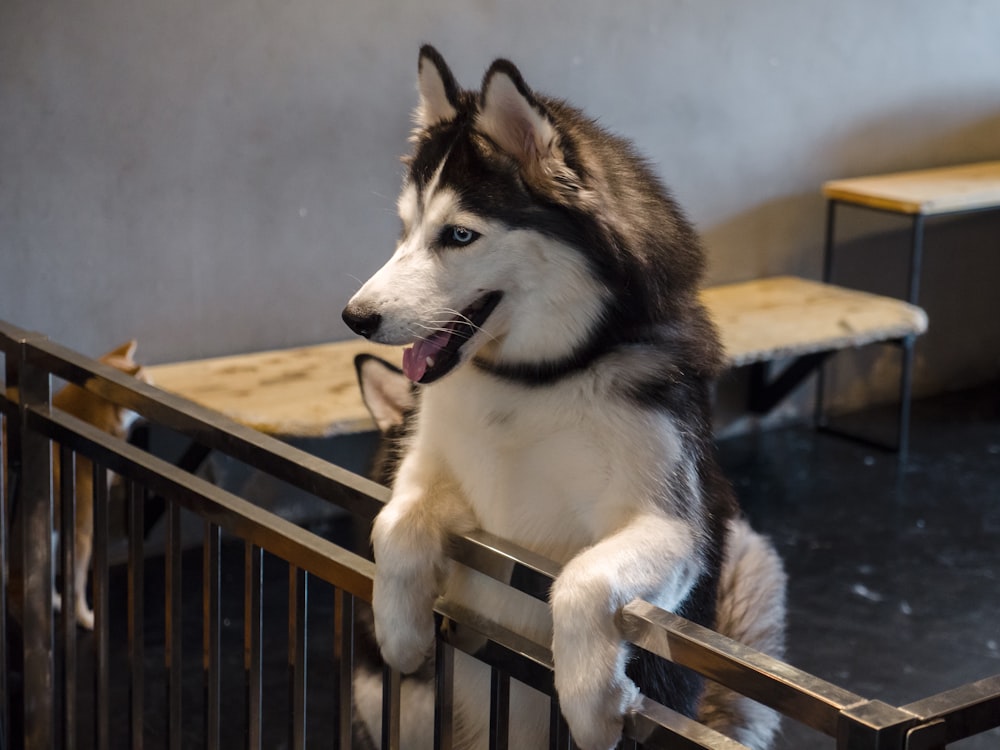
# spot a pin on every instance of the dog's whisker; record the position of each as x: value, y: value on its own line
x: 451, y: 321
x: 352, y: 277
x: 434, y: 329
x: 458, y: 314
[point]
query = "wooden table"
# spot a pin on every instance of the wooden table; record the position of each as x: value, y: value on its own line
x: 920, y: 194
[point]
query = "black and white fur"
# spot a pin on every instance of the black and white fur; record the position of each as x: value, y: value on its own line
x: 548, y: 285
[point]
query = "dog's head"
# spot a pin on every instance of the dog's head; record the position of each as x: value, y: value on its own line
x: 531, y: 238
x: 88, y: 403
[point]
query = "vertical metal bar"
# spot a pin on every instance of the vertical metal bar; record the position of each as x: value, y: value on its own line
x: 11, y: 661
x: 6, y: 468
x: 559, y: 736
x: 555, y: 717
x: 136, y: 497
x: 253, y: 569
x: 444, y: 695
x: 36, y: 561
x: 916, y: 259
x: 211, y: 632
x: 172, y: 645
x: 343, y: 646
x: 499, y: 709
x: 297, y: 632
x: 67, y: 555
x: 390, y: 708
x: 99, y: 577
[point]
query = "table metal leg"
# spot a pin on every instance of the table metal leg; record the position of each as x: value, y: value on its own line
x: 916, y: 258
x: 831, y: 216
x: 907, y: 344
x: 819, y: 418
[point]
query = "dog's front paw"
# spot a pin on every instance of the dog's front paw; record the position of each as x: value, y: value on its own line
x: 407, y: 581
x: 595, y: 712
x: 404, y: 622
x: 589, y: 656
x: 84, y: 615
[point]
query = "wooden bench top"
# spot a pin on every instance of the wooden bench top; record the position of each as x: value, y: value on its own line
x: 785, y: 316
x: 927, y: 191
x: 312, y: 391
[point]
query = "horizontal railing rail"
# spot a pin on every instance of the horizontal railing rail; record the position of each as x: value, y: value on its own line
x: 28, y: 489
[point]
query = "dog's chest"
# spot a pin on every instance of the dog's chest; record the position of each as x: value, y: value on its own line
x: 544, y: 467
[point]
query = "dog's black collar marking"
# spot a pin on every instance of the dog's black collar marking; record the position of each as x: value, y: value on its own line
x: 599, y: 344
x: 534, y: 373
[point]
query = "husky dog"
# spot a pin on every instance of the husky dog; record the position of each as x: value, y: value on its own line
x: 750, y: 603
x: 547, y: 285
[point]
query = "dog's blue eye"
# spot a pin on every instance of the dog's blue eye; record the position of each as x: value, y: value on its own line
x: 454, y: 236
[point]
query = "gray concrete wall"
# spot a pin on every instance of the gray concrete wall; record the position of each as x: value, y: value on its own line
x: 217, y: 177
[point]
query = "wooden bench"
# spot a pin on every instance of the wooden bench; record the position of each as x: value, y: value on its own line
x: 312, y: 392
x: 804, y: 322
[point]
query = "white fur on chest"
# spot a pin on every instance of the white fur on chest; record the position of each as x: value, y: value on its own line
x: 554, y: 468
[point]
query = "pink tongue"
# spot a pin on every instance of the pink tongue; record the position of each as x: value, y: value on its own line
x: 415, y: 358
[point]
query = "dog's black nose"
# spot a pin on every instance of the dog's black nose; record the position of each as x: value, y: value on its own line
x: 363, y: 321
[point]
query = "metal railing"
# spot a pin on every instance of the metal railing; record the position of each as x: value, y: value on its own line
x: 40, y: 678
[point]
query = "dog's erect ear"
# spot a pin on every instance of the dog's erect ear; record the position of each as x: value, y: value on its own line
x: 122, y: 358
x: 512, y: 117
x: 386, y: 391
x: 437, y: 88
x: 125, y: 351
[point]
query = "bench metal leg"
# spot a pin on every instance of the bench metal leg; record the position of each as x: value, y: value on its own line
x: 905, y: 397
x: 901, y: 445
x: 767, y: 392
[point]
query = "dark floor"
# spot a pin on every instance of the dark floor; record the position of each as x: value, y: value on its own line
x: 893, y: 572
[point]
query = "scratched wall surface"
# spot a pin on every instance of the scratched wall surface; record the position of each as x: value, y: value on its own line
x: 217, y: 177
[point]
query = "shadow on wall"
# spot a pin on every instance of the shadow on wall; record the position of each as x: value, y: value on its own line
x: 919, y: 138
x: 787, y: 230
x: 786, y: 235
x: 961, y: 269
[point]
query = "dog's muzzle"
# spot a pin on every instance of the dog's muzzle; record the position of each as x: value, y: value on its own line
x: 437, y: 353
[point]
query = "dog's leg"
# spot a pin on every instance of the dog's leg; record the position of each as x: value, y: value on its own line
x: 409, y: 537
x: 651, y: 557
x: 83, y: 540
